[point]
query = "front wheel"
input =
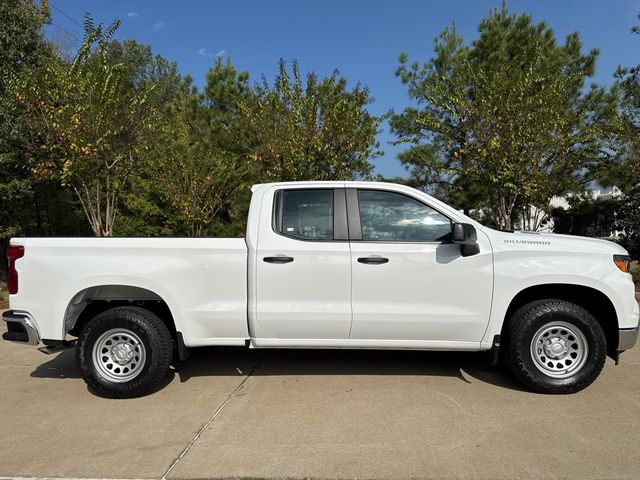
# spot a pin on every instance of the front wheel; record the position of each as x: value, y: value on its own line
x: 124, y: 352
x: 555, y: 346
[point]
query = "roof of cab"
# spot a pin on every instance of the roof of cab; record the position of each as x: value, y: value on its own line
x: 319, y: 182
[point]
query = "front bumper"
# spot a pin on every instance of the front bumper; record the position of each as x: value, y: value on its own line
x: 627, y: 338
x: 21, y: 328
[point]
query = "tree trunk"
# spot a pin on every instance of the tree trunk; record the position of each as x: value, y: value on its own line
x: 504, y: 214
x: 92, y: 211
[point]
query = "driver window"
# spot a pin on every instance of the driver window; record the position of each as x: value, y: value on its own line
x: 394, y: 217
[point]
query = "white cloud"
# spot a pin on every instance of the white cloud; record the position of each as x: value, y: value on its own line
x: 159, y: 25
x: 133, y: 14
x: 203, y: 52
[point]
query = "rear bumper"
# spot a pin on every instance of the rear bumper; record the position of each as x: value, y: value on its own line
x: 627, y: 338
x: 21, y: 328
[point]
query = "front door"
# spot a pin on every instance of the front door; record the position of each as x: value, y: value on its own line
x: 303, y: 265
x: 409, y: 281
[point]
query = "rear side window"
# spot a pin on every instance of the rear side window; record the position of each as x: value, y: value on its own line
x: 305, y: 214
x: 394, y: 217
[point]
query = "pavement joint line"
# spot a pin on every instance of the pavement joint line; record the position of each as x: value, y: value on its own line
x: 217, y: 412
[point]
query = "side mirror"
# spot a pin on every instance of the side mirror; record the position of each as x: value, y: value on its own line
x: 466, y: 236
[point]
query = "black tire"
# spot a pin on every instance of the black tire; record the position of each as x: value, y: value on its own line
x: 532, y: 318
x: 156, y: 341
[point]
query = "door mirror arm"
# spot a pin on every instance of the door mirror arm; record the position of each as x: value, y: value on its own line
x: 466, y: 236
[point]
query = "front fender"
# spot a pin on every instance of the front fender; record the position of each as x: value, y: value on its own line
x: 517, y: 271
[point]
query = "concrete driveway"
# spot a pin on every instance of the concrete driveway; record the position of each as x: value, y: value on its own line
x: 229, y: 413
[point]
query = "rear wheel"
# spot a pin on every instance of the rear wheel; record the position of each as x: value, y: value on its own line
x: 124, y: 352
x: 555, y: 346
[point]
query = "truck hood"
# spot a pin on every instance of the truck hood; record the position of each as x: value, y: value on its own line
x: 557, y: 242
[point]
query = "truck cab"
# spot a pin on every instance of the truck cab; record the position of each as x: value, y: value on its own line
x: 357, y: 264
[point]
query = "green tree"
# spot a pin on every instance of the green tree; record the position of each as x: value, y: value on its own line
x: 218, y: 114
x: 196, y: 180
x: 628, y: 221
x: 503, y: 121
x: 586, y: 216
x: 311, y: 130
x: 22, y: 44
x: 143, y: 210
x: 622, y: 169
x: 196, y: 176
x: 145, y: 73
x: 28, y: 205
x: 92, y: 127
x: 22, y: 48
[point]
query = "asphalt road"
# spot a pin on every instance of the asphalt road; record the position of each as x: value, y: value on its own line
x: 229, y: 413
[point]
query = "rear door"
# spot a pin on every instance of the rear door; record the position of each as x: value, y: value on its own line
x: 303, y: 265
x: 409, y: 281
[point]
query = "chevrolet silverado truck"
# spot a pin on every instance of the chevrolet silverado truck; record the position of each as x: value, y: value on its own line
x: 355, y: 265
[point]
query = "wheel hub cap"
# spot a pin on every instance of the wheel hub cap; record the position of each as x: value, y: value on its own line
x: 556, y: 347
x: 559, y: 349
x: 119, y: 355
x: 122, y: 353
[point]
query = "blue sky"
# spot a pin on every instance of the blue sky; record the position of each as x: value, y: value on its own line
x: 362, y: 39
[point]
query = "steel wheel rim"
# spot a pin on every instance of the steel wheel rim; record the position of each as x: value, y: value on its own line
x: 559, y: 349
x: 119, y: 355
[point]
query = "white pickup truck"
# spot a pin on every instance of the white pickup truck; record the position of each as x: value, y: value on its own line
x: 327, y: 265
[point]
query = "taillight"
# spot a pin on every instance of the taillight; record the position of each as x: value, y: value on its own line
x: 14, y: 253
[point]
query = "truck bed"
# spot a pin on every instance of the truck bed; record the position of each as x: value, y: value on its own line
x: 202, y: 280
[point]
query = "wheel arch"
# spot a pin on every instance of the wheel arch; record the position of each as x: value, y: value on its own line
x: 591, y: 299
x: 91, y: 301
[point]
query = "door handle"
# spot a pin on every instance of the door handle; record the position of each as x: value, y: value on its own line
x: 278, y: 259
x: 373, y: 260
